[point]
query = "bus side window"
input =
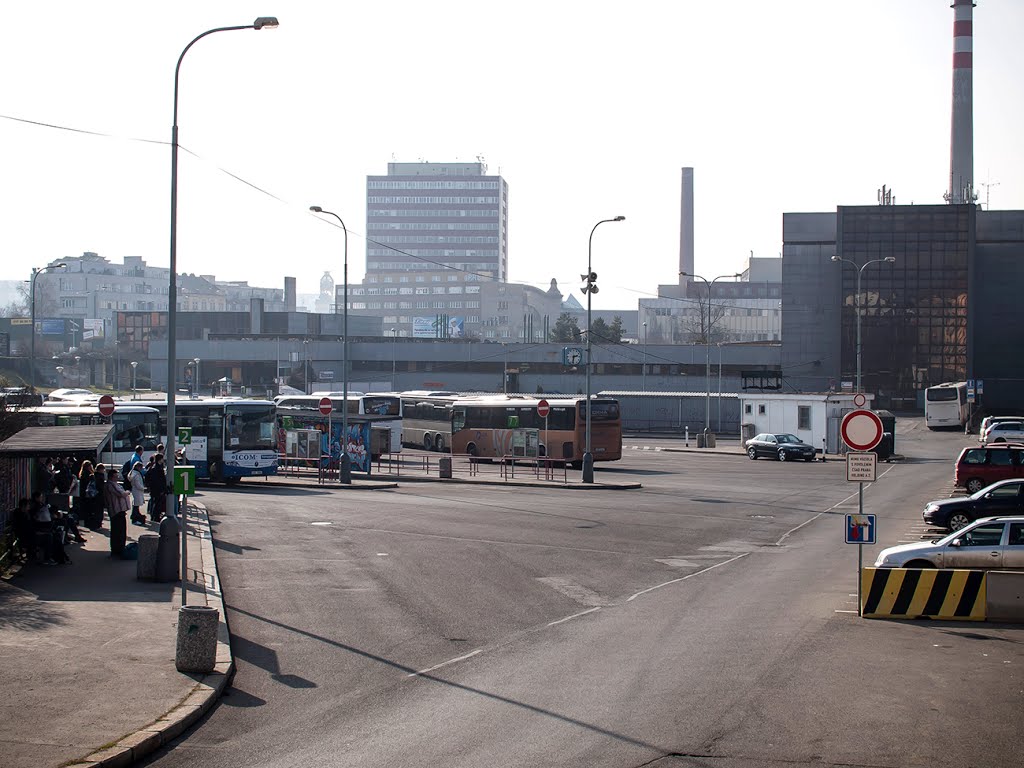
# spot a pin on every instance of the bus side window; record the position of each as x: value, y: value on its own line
x: 458, y: 419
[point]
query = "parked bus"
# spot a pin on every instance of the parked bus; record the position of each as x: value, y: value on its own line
x: 945, y: 405
x: 427, y: 419
x: 134, y: 425
x: 384, y: 404
x: 232, y: 438
x: 483, y: 427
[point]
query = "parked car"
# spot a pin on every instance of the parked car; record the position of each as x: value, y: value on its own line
x: 988, y: 421
x: 1003, y: 498
x: 783, y: 446
x: 979, y: 467
x: 1003, y: 432
x: 988, y: 543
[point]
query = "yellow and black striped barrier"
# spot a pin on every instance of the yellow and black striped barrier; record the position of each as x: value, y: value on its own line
x: 907, y: 593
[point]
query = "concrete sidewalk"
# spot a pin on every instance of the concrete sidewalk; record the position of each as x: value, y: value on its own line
x: 88, y: 651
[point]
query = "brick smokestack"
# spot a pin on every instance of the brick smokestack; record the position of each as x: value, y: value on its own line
x: 961, y: 139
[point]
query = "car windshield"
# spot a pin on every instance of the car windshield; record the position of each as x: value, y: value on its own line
x: 787, y: 438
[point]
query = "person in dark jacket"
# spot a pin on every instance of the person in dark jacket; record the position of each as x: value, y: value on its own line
x: 118, y: 502
x: 156, y: 479
x: 92, y: 501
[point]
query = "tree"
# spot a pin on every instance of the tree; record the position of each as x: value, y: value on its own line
x: 19, y: 307
x: 566, y: 329
x: 704, y: 328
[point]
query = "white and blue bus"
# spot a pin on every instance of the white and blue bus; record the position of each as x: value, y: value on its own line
x: 232, y: 438
x: 386, y: 406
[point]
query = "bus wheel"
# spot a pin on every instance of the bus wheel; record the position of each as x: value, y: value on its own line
x: 439, y: 444
x: 427, y: 443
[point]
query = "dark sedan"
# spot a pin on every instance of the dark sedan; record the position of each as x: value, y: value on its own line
x: 783, y: 446
x: 1003, y: 498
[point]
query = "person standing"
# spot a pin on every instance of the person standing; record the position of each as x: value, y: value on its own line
x: 156, y: 479
x: 92, y: 501
x: 118, y: 502
x: 43, y: 522
x: 138, y: 490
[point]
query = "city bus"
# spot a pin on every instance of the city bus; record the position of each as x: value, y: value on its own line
x: 945, y: 405
x: 427, y: 419
x: 483, y: 427
x: 134, y: 425
x: 385, y: 405
x: 231, y: 438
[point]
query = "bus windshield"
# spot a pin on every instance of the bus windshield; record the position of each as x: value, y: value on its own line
x: 941, y: 394
x: 249, y: 427
x: 132, y: 429
x: 600, y: 410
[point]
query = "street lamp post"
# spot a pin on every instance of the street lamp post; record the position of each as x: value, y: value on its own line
x: 32, y: 311
x: 394, y: 339
x: 263, y: 22
x: 117, y: 366
x: 60, y: 376
x: 345, y: 471
x: 134, y: 364
x: 860, y: 271
x: 706, y: 332
x: 590, y: 289
x: 643, y: 367
x: 195, y: 379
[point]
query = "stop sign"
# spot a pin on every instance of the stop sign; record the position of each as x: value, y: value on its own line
x: 543, y: 409
x: 106, y: 405
x: 325, y: 405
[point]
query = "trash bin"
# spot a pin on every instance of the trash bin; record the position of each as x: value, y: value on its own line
x: 888, y: 425
x: 444, y: 467
x: 884, y: 447
x: 196, y: 649
x: 145, y: 568
x: 168, y: 550
x: 709, y: 440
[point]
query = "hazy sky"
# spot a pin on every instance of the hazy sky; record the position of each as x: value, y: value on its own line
x: 588, y: 109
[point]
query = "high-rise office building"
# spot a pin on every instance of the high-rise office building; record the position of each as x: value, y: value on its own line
x: 434, y: 233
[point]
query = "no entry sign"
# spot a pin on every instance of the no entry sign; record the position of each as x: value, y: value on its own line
x: 543, y: 409
x: 106, y: 405
x: 861, y: 430
x: 326, y: 406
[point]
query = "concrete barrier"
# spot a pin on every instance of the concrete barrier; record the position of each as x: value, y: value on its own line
x: 905, y: 593
x: 1005, y: 596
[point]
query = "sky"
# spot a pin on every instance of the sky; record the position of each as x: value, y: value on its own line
x: 588, y: 109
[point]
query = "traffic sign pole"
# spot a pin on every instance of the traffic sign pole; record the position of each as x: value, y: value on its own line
x: 860, y: 547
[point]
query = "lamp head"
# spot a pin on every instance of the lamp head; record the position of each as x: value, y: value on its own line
x: 316, y: 209
x: 891, y: 259
x: 619, y: 218
x: 266, y: 22
x: 135, y: 363
x: 835, y: 257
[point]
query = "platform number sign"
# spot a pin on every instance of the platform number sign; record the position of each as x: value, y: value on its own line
x: 184, y: 480
x: 184, y: 435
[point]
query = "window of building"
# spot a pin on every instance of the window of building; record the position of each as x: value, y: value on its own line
x: 748, y: 409
x: 761, y: 410
x: 803, y: 417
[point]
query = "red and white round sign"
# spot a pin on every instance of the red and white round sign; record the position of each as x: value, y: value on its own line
x: 543, y: 409
x: 861, y: 430
x: 325, y: 406
x: 106, y: 405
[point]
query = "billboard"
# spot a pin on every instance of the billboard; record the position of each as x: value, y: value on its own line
x: 425, y: 328
x: 439, y: 327
x: 51, y: 327
x: 92, y: 329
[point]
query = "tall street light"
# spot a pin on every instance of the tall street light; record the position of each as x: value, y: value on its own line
x: 590, y: 289
x: 706, y: 333
x: 134, y: 364
x: 263, y: 22
x: 394, y: 339
x: 643, y: 368
x: 117, y: 364
x: 60, y: 376
x: 195, y: 379
x: 860, y: 271
x: 32, y: 310
x: 346, y: 462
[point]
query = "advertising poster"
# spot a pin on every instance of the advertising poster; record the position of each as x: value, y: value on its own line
x: 424, y: 328
x: 51, y: 327
x: 456, y: 327
x: 92, y: 329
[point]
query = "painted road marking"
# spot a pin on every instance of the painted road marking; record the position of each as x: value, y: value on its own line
x: 446, y: 663
x: 574, y: 616
x: 684, y: 578
x: 322, y: 523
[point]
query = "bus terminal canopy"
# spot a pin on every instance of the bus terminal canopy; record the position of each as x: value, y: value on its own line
x: 77, y: 441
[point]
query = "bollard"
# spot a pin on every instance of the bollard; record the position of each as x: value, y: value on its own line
x: 145, y: 567
x: 196, y: 650
x: 167, y: 550
x: 444, y: 467
x: 687, y: 436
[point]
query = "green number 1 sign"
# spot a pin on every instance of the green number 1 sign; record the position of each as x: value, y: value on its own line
x: 184, y: 480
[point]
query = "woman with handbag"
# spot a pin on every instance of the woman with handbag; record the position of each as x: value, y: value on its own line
x: 138, y: 489
x: 118, y: 502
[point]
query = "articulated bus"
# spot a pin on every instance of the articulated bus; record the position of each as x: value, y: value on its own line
x: 427, y: 419
x: 483, y: 427
x: 945, y: 405
x: 385, y: 405
x: 134, y: 424
x: 232, y: 438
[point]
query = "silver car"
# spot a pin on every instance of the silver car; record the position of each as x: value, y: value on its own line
x: 1003, y: 432
x: 988, y: 544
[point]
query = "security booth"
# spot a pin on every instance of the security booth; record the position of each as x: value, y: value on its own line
x: 22, y: 453
x: 814, y: 417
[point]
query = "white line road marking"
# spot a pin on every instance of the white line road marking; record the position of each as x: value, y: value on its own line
x: 684, y: 578
x: 839, y: 611
x: 322, y: 523
x: 574, y: 616
x: 446, y: 663
x: 572, y: 590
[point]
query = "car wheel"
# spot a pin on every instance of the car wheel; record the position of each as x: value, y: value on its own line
x: 999, y: 440
x: 958, y: 520
x: 782, y: 455
x: 918, y: 564
x: 752, y: 452
x: 974, y: 485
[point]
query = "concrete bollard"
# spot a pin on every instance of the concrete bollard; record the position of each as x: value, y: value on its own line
x: 196, y: 649
x: 168, y: 550
x: 444, y: 467
x: 145, y: 568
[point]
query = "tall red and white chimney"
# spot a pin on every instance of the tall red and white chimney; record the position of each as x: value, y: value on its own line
x: 961, y: 144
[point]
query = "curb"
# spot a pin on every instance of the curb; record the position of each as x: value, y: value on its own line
x: 460, y: 481
x: 208, y: 688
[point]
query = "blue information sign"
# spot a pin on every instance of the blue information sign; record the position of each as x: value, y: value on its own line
x: 860, y: 529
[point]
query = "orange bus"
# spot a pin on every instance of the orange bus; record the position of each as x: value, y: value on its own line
x: 483, y: 426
